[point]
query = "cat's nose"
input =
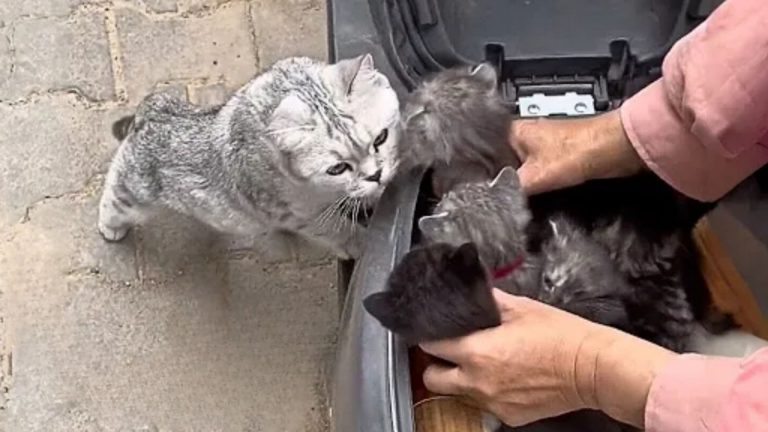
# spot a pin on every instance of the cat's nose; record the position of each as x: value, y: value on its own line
x: 548, y: 284
x: 376, y: 177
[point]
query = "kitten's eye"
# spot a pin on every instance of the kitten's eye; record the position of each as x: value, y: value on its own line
x: 380, y: 139
x: 338, y: 169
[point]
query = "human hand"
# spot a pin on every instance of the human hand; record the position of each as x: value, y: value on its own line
x: 542, y: 362
x: 567, y: 152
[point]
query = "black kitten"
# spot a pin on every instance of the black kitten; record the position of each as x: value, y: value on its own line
x: 441, y: 292
x: 436, y: 292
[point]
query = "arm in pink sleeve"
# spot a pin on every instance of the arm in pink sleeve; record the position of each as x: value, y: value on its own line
x: 710, y: 394
x: 703, y: 127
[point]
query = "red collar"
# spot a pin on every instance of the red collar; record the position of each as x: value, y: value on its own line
x: 502, y: 272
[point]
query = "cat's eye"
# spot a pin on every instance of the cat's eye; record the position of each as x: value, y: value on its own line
x: 380, y: 139
x: 338, y: 169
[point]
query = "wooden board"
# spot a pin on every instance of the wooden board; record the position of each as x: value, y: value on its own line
x: 434, y: 413
x: 446, y: 414
x: 730, y: 292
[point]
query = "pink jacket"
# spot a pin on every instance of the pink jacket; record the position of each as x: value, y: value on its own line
x: 703, y: 128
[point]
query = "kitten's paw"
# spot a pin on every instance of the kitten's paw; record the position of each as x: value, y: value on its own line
x: 112, y: 235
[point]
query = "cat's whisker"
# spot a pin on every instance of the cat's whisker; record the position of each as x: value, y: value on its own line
x: 329, y: 212
x: 324, y: 214
x: 347, y: 215
x: 342, y: 219
x: 355, y: 213
x: 359, y: 208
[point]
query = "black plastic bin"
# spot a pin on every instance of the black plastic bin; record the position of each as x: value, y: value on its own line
x: 555, y: 57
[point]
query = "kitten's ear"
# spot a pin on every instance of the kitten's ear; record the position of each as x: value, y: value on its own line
x: 557, y: 233
x: 466, y: 257
x: 432, y: 226
x: 506, y: 178
x: 411, y: 113
x: 381, y: 306
x: 487, y: 74
x: 350, y: 73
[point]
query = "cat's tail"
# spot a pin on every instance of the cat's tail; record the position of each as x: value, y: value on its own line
x: 122, y: 127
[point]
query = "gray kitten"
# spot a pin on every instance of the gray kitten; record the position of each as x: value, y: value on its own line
x: 611, y: 275
x: 296, y: 150
x: 579, y: 275
x: 492, y: 215
x: 457, y: 123
x: 570, y: 271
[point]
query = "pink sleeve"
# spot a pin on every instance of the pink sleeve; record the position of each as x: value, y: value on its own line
x: 697, y: 394
x: 703, y: 127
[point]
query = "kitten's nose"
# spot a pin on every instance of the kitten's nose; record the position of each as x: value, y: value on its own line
x: 375, y: 177
x: 548, y: 283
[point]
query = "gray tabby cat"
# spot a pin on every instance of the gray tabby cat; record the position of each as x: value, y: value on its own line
x: 492, y: 215
x: 457, y: 118
x: 298, y: 150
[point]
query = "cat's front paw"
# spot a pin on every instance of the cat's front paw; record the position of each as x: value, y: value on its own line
x: 111, y: 234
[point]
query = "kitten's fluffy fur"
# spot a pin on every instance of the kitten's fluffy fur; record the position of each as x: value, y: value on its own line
x: 578, y: 275
x: 295, y: 150
x: 462, y: 216
x: 571, y: 271
x: 462, y: 305
x: 457, y: 118
x: 615, y: 251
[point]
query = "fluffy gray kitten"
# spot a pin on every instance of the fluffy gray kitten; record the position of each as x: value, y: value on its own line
x: 579, y: 275
x: 458, y: 124
x: 570, y: 271
x: 493, y: 215
x: 297, y: 150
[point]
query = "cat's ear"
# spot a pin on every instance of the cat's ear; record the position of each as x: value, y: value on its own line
x: 381, y: 306
x: 434, y: 225
x: 290, y: 113
x: 506, y: 178
x: 465, y: 263
x: 351, y: 73
x: 557, y: 233
x: 465, y: 257
x: 487, y: 74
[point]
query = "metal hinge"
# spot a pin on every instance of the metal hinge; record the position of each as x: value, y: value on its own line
x: 568, y: 104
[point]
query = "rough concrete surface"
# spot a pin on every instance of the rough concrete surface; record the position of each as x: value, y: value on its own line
x: 174, y: 329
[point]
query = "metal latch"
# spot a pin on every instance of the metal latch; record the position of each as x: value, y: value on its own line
x: 568, y: 104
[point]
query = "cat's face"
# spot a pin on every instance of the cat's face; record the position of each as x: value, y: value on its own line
x: 490, y: 214
x: 337, y: 134
x: 436, y: 292
x: 456, y: 116
x: 448, y: 97
x: 579, y: 276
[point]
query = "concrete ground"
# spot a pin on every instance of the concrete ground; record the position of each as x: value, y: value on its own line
x: 173, y: 329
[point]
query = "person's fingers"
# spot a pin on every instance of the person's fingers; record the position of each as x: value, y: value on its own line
x: 538, y: 177
x: 516, y: 140
x: 511, y: 306
x: 452, y: 350
x: 533, y: 179
x: 504, y: 301
x: 445, y: 380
